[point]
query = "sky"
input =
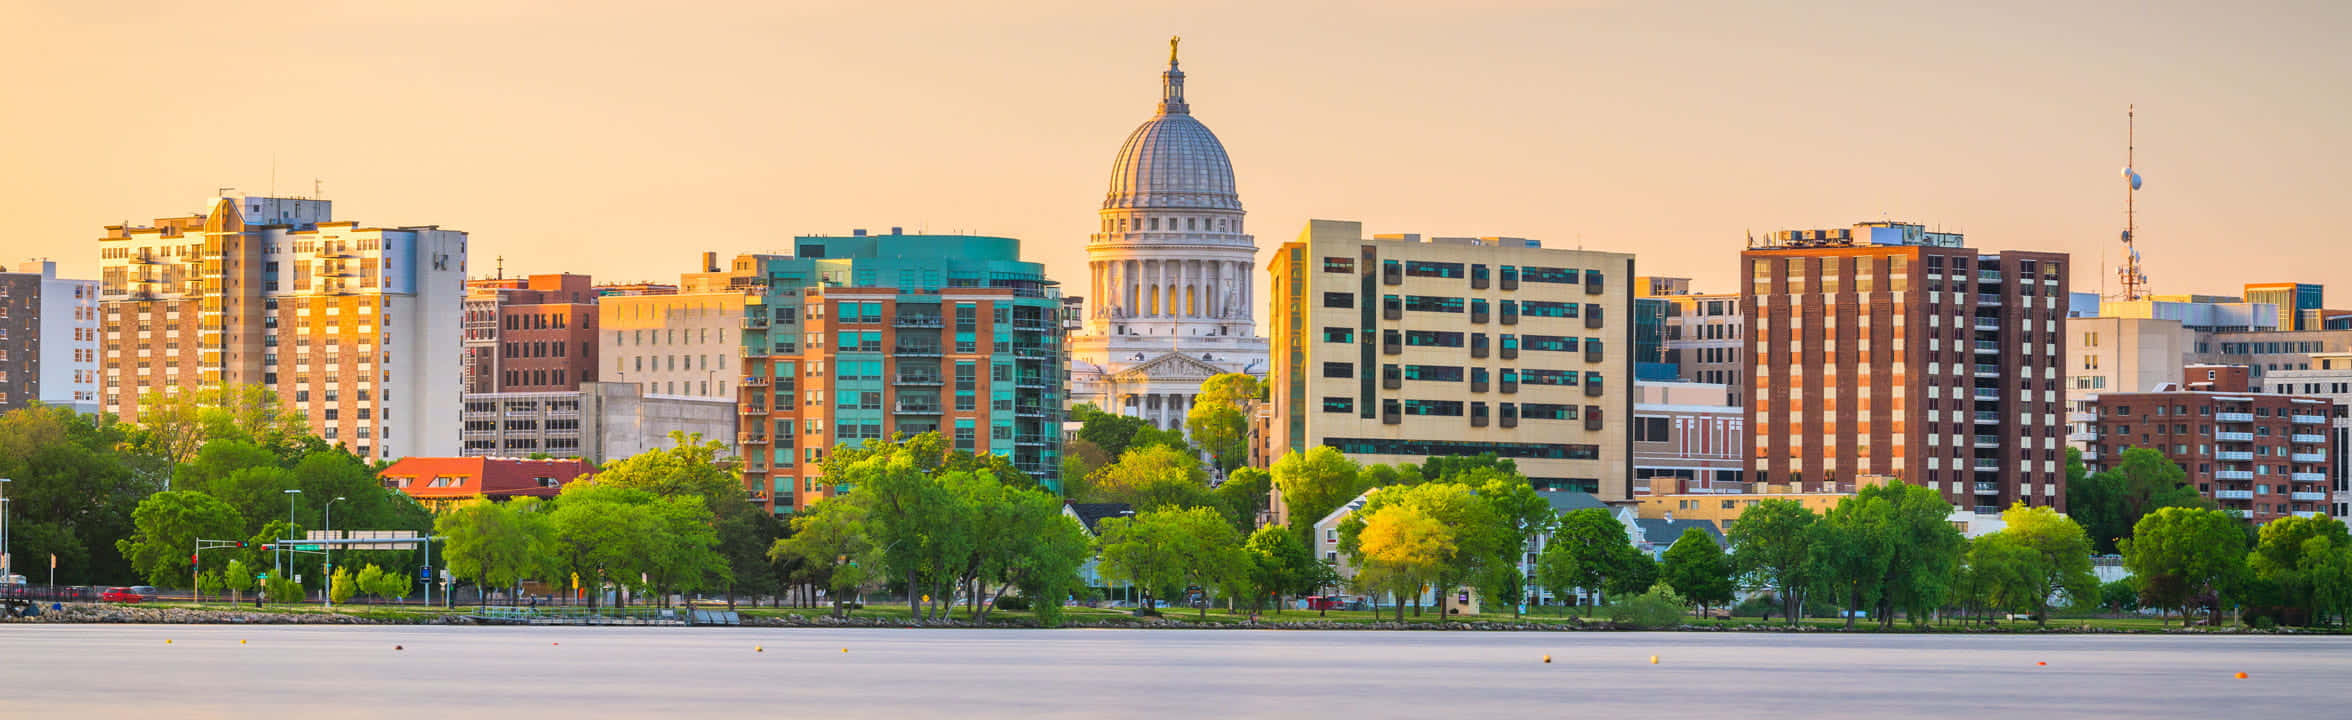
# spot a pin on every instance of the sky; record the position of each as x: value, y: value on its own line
x: 620, y: 139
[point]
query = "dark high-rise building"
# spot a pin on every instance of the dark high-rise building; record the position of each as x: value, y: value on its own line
x: 1888, y: 350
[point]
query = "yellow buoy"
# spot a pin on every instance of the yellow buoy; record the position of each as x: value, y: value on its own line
x: 1653, y: 659
x: 756, y: 648
x: 240, y: 642
x: 1547, y: 658
x: 845, y: 649
x: 167, y: 641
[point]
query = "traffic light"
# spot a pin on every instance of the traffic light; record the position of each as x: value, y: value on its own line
x: 240, y: 544
x: 265, y: 548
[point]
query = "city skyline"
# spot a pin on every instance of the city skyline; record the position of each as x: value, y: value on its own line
x: 493, y: 122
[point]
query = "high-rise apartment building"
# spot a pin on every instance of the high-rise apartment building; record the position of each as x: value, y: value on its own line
x: 48, y: 338
x: 358, y: 328
x: 1394, y: 349
x: 1702, y: 337
x: 2329, y: 377
x: 867, y: 337
x: 530, y: 334
x: 2293, y: 300
x: 2264, y: 456
x: 1887, y: 349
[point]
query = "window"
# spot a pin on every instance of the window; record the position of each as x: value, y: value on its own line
x: 1433, y: 303
x: 1339, y: 265
x: 1339, y: 370
x: 1549, y: 275
x: 1339, y: 404
x: 1542, y: 451
x: 1547, y: 343
x: 1434, y: 373
x: 1432, y: 338
x: 1532, y: 376
x: 1339, y: 335
x: 1649, y: 429
x: 1545, y: 308
x: 1545, y: 411
x: 1339, y: 300
x: 1447, y: 408
x: 1424, y: 268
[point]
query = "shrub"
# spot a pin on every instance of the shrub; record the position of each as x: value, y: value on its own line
x: 1660, y: 607
x: 1012, y: 602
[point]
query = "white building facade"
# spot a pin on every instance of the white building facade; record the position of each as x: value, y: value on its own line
x: 1171, y: 265
x: 69, y: 338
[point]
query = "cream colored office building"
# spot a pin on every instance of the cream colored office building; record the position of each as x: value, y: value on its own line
x: 1395, y: 348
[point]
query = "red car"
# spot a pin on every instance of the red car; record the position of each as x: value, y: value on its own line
x: 121, y: 595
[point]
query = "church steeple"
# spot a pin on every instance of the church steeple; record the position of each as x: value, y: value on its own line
x: 1172, y: 84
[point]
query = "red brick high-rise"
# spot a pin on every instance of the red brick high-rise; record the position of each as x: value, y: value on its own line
x: 1889, y: 350
x: 530, y: 334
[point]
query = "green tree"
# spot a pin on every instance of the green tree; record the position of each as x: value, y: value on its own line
x: 2119, y: 596
x: 1697, y: 567
x: 76, y: 481
x: 496, y: 545
x: 1888, y: 548
x: 2290, y: 549
x: 2060, y: 556
x: 2109, y: 504
x: 340, y: 587
x: 914, y: 519
x: 238, y: 577
x: 2182, y: 555
x: 1588, y: 550
x: 632, y: 538
x: 830, y: 538
x: 1659, y: 607
x: 1243, y: 496
x: 370, y: 580
x: 1279, y: 565
x: 1771, y: 550
x: 1314, y: 483
x: 2002, y: 574
x: 1219, y: 418
x: 1481, y: 537
x: 1044, y: 564
x: 1401, y: 548
x: 1154, y: 477
x: 181, y: 421
x: 166, y: 527
x: 1172, y: 549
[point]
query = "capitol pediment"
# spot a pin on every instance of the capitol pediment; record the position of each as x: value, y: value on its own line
x: 1169, y: 366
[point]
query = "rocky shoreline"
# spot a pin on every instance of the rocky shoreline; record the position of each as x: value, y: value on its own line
x: 133, y: 614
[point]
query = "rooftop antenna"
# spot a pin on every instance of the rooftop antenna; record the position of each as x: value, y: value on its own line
x: 318, y: 189
x: 2133, y: 279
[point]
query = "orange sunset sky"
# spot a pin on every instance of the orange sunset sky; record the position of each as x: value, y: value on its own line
x: 619, y: 139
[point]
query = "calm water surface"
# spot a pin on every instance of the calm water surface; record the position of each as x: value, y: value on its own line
x: 284, y: 673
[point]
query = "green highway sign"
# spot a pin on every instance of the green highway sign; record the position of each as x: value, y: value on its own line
x: 309, y: 547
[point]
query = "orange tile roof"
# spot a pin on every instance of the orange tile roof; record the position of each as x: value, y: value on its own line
x: 493, y: 477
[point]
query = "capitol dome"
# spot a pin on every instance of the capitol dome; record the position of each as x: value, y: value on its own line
x: 1172, y: 160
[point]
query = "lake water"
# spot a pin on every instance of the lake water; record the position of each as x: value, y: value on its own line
x: 293, y: 672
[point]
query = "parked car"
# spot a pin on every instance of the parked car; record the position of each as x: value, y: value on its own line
x: 147, y: 593
x: 119, y: 595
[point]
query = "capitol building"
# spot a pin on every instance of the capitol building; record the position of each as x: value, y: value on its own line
x: 1169, y: 300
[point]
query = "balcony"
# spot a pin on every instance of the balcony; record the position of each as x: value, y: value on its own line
x: 755, y: 322
x: 932, y: 380
x: 1987, y: 347
x: 1029, y: 410
x: 2233, y: 474
x: 751, y: 439
x: 2309, y: 477
x: 1992, y: 394
x: 2234, y: 436
x: 1988, y: 299
x: 2234, y: 455
x: 2090, y: 453
x: 2073, y: 437
x: 2307, y: 513
x: 2234, y: 494
x: 2308, y: 438
x: 2308, y: 496
x: 917, y: 409
x: 2309, y: 457
x: 2310, y: 419
x: 1031, y: 381
x: 755, y: 381
x: 1988, y: 418
x: 1987, y: 466
x: 1983, y: 323
x: 1986, y: 488
x: 1993, y: 371
x: 916, y: 350
x: 2233, y: 417
x: 1988, y: 276
x: 917, y: 321
x: 2082, y: 417
x: 1987, y: 441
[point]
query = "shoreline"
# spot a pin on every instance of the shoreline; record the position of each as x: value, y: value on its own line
x: 84, y: 614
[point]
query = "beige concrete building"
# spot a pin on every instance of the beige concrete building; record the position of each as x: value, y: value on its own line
x: 1394, y: 348
x: 684, y: 345
x: 1702, y: 334
x: 1686, y: 435
x: 2115, y: 354
x: 358, y: 328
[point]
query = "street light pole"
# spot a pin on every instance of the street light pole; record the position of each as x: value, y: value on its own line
x: 329, y: 595
x: 286, y: 561
x: 7, y: 562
